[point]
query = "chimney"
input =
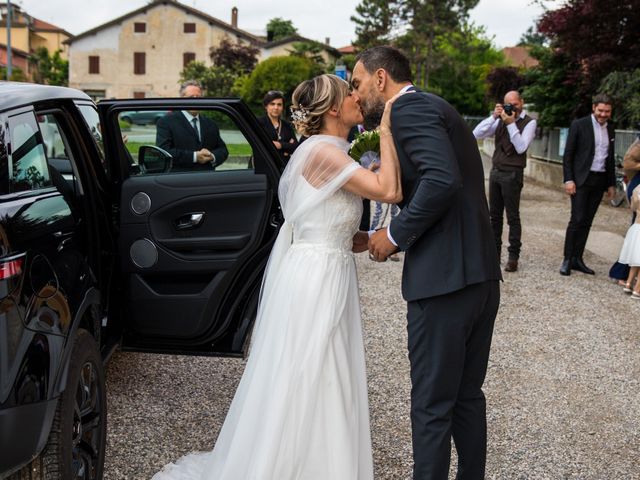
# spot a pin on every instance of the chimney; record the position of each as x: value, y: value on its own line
x: 234, y: 17
x: 326, y: 40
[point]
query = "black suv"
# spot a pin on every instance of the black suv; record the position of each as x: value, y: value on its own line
x: 103, y: 245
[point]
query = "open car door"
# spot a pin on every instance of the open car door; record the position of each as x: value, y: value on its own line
x: 195, y: 227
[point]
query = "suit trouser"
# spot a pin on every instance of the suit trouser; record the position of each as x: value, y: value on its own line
x: 505, y: 187
x: 584, y: 205
x: 449, y: 342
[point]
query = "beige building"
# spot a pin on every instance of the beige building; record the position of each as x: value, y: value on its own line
x: 28, y: 34
x: 285, y: 46
x: 142, y: 53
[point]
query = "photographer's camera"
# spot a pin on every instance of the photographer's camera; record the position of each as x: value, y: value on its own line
x: 508, y: 109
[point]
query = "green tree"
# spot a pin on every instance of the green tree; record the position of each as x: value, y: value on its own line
x: 532, y: 37
x: 50, y: 69
x: 468, y: 56
x: 216, y: 81
x: 624, y: 88
x: 312, y: 51
x: 276, y: 73
x: 374, y: 22
x: 278, y: 28
x: 547, y: 90
x: 17, y: 75
x: 425, y: 21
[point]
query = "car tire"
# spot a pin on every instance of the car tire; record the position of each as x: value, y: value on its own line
x: 76, y: 444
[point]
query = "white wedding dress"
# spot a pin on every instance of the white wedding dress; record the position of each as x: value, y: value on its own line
x: 301, y: 410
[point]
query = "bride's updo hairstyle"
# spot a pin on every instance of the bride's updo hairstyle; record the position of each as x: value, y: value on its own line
x: 313, y: 98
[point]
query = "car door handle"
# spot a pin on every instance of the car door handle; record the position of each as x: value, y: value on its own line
x: 190, y: 220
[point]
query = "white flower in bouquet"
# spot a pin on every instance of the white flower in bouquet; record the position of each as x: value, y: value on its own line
x: 365, y: 148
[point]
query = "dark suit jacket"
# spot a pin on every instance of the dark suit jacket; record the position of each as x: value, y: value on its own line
x: 286, y: 135
x: 444, y: 223
x: 178, y: 137
x: 580, y: 149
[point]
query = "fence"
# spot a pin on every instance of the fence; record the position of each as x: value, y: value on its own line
x: 546, y: 145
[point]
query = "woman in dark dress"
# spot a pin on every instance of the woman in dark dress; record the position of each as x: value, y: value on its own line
x: 280, y: 131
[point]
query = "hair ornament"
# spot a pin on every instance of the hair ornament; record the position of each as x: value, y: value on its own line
x: 299, y: 113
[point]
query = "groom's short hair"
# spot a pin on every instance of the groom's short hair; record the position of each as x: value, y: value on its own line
x: 395, y: 63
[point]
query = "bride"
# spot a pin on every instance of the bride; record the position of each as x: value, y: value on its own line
x: 301, y: 409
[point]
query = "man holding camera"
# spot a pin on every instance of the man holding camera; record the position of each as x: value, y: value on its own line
x: 513, y: 130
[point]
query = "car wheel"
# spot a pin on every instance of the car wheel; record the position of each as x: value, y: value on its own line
x: 76, y: 444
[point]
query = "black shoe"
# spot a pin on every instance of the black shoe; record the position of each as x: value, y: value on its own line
x: 578, y: 264
x: 512, y: 266
x: 565, y: 268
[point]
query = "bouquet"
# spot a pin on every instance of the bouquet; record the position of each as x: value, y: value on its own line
x: 365, y: 148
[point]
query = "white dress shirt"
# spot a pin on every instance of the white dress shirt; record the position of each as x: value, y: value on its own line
x: 520, y: 141
x: 389, y: 236
x: 601, y: 137
x: 190, y: 118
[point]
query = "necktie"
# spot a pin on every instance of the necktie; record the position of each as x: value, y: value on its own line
x: 194, y: 122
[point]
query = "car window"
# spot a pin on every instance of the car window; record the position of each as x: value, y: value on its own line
x: 90, y: 115
x: 160, y: 142
x: 28, y: 163
x: 61, y: 165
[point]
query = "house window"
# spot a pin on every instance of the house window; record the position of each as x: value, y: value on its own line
x: 94, y: 64
x: 189, y: 28
x: 139, y: 27
x: 139, y: 63
x: 187, y: 58
x: 138, y: 94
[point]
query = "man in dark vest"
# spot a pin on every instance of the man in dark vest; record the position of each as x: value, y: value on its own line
x: 513, y: 130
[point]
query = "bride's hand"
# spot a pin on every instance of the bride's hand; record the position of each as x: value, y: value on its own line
x: 385, y: 123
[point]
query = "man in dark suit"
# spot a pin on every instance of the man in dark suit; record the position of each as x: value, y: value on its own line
x: 451, y: 271
x: 589, y: 170
x: 193, y: 140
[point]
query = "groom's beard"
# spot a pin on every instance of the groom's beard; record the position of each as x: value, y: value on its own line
x: 372, y: 113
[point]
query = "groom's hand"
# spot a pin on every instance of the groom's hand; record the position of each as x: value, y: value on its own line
x: 360, y: 242
x: 380, y: 247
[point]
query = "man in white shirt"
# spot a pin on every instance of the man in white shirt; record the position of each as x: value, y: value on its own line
x: 513, y: 130
x: 589, y: 170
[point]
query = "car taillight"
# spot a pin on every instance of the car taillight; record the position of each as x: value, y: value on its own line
x: 10, y: 268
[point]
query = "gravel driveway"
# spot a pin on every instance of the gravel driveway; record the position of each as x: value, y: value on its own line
x: 562, y: 387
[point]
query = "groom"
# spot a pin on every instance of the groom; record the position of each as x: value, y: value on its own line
x: 451, y: 271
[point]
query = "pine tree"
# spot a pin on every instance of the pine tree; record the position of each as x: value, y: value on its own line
x: 374, y: 22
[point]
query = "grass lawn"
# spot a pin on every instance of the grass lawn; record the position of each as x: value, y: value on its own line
x: 235, y: 149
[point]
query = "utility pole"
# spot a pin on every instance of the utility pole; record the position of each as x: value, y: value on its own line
x: 9, y: 72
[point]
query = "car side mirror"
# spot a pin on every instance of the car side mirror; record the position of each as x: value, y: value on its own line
x: 154, y: 159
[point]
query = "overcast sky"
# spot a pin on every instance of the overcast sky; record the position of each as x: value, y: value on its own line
x: 504, y: 20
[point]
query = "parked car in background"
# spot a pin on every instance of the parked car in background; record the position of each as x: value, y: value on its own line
x: 143, y: 117
x: 103, y: 246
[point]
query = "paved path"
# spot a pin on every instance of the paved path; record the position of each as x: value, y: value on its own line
x: 563, y: 383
